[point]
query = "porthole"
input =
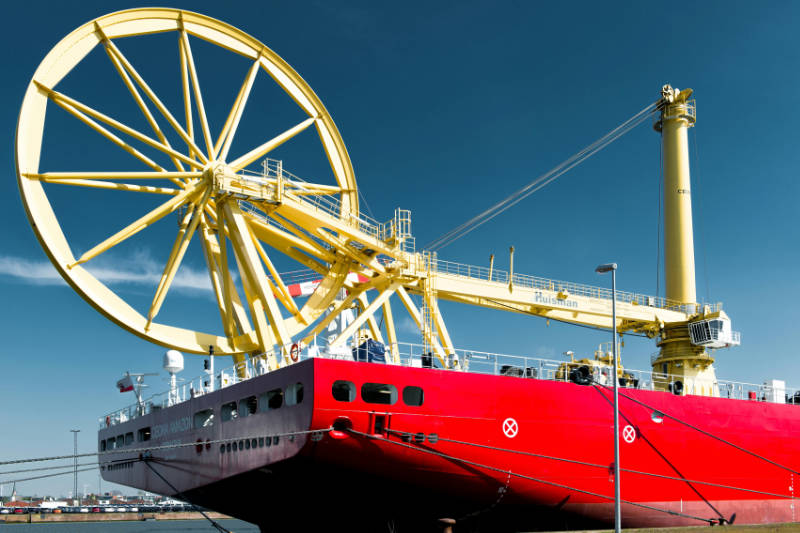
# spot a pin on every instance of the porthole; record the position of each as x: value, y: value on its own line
x: 413, y: 396
x: 343, y: 391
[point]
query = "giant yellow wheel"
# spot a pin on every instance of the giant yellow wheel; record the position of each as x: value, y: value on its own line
x: 204, y: 183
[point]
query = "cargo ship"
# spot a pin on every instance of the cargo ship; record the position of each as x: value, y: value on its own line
x: 322, y: 407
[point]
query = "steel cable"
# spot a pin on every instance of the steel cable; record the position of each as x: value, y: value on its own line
x: 541, y: 181
x: 530, y: 478
x: 152, y: 448
x: 708, y: 434
x: 604, y: 467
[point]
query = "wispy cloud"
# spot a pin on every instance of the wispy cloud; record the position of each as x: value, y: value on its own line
x: 140, y: 269
x: 406, y: 325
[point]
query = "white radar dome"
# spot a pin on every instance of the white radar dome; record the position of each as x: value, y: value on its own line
x: 173, y: 361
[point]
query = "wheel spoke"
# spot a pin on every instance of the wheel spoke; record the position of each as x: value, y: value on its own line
x: 211, y: 254
x: 265, y: 148
x: 187, y: 93
x: 110, y: 136
x: 282, y: 292
x: 136, y: 96
x: 262, y: 300
x: 79, y: 109
x: 59, y: 176
x: 156, y: 214
x: 188, y: 226
x: 235, y: 115
x: 236, y: 311
x: 96, y: 184
x: 156, y: 101
x: 198, y: 97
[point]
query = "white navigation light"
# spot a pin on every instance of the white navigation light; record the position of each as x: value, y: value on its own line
x: 173, y: 361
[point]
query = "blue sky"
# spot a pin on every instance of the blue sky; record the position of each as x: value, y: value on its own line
x: 445, y: 108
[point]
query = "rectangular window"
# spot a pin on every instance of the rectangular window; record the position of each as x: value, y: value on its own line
x: 111, y: 443
x: 203, y: 419
x: 120, y: 441
x: 248, y: 406
x: 229, y: 411
x: 129, y: 438
x: 294, y: 394
x: 143, y: 434
x: 381, y: 393
x: 102, y: 445
x: 271, y: 400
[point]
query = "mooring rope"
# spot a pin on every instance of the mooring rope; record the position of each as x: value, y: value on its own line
x: 530, y: 478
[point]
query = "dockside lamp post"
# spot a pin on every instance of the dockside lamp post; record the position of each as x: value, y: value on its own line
x: 602, y: 269
x: 75, y: 459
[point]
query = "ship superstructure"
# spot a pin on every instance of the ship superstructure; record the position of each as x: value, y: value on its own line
x: 323, y: 394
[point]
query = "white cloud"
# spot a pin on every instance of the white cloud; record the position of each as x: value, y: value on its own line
x: 406, y: 325
x: 36, y: 272
x: 141, y: 269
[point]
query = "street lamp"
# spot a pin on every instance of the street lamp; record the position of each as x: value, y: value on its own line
x: 602, y: 269
x: 75, y: 457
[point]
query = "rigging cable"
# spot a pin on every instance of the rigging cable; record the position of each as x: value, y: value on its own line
x: 541, y: 181
x: 663, y: 457
x: 289, y: 434
x: 537, y: 480
x: 708, y: 434
x: 181, y: 496
x: 54, y: 467
x: 595, y: 465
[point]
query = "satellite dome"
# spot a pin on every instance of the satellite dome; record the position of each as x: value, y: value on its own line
x: 173, y: 361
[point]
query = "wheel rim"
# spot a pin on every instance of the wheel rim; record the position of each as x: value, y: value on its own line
x: 202, y: 162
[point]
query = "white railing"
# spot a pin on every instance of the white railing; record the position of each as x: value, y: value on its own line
x: 574, y: 289
x: 398, y: 228
x: 473, y: 361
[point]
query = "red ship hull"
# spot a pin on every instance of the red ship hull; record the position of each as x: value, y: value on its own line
x: 529, y: 454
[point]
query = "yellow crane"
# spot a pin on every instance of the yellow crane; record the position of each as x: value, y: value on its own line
x: 242, y: 216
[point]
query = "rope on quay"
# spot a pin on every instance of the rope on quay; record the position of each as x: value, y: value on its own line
x: 154, y: 448
x: 710, y: 521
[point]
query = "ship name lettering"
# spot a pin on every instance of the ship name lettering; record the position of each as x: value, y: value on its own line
x: 160, y: 430
x: 181, y: 424
x: 538, y: 297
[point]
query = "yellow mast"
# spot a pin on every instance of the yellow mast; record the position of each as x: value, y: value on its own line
x: 677, y: 116
x: 684, y: 365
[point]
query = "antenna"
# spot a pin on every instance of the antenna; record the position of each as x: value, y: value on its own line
x: 173, y: 363
x: 126, y: 384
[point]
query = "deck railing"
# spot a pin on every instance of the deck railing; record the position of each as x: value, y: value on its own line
x: 473, y: 361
